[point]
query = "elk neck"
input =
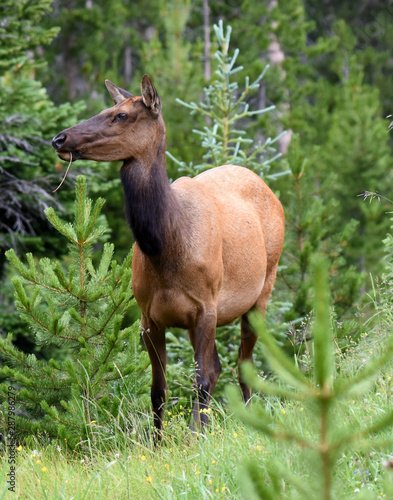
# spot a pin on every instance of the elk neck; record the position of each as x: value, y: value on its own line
x: 152, y: 208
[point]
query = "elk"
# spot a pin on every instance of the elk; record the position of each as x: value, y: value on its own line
x: 206, y: 248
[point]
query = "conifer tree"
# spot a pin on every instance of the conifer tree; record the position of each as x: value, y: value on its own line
x: 310, y: 230
x: 176, y: 64
x: 78, y: 307
x: 28, y: 120
x: 342, y: 115
x: 324, y: 432
x: 225, y: 138
x: 319, y: 87
x: 29, y: 168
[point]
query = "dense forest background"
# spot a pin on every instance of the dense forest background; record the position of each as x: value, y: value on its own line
x: 330, y: 80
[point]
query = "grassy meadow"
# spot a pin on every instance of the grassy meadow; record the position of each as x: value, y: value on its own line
x: 211, y: 465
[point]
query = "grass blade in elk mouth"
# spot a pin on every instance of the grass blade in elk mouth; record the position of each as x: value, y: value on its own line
x: 65, y: 175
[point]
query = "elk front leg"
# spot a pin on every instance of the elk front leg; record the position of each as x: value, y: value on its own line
x: 208, y: 366
x: 154, y: 340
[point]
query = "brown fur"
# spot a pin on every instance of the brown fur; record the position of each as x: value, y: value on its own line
x: 207, y: 248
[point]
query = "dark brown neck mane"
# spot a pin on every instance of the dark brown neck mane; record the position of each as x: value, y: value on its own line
x: 151, y: 206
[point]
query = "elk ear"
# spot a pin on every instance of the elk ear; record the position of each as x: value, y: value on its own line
x: 116, y: 92
x: 150, y: 96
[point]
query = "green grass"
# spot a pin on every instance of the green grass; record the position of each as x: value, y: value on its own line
x: 204, y: 466
x: 210, y: 465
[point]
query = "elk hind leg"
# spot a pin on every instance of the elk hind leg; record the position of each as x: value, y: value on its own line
x: 247, y: 344
x: 248, y: 336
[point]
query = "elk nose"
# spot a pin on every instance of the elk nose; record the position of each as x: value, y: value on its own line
x: 59, y: 140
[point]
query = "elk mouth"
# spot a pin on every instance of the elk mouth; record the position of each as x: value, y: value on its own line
x: 66, y: 155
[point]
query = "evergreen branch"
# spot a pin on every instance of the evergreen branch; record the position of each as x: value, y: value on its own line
x: 29, y: 381
x: 270, y: 388
x: 66, y: 291
x: 106, y: 322
x: 60, y: 225
x: 47, y: 409
x: 375, y: 427
x: 121, y: 375
x: 90, y: 353
x: 82, y: 281
x: 251, y: 113
x: 104, y: 361
x: 35, y: 318
x: 343, y: 387
x: 100, y: 202
x: 9, y: 350
x: 261, y: 421
x: 194, y: 107
x: 290, y: 436
x: 279, y: 361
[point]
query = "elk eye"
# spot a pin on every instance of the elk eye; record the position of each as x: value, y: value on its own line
x: 122, y: 117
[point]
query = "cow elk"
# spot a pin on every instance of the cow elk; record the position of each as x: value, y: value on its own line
x: 207, y: 248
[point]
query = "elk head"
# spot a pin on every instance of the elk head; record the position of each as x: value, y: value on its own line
x: 124, y: 131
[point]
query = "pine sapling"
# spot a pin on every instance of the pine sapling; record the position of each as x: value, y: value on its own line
x: 228, y: 115
x: 78, y: 305
x: 324, y: 431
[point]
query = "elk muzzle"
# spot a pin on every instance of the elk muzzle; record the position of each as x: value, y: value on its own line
x: 62, y: 149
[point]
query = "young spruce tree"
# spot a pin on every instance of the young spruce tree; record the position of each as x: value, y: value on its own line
x: 226, y: 136
x: 325, y: 429
x: 29, y: 168
x: 309, y: 231
x: 79, y: 307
